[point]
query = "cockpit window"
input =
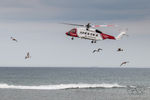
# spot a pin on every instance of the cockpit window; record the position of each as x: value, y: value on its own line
x: 73, y: 31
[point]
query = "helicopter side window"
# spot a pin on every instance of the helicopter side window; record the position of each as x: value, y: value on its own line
x: 73, y: 31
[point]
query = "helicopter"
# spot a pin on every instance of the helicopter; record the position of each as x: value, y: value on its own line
x: 90, y: 32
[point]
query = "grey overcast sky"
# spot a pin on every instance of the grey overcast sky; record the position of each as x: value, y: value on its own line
x: 36, y: 26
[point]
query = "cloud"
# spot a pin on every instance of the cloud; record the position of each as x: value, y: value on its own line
x: 19, y: 3
x: 49, y: 10
x: 20, y: 10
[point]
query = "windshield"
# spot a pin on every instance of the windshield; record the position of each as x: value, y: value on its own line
x: 72, y: 31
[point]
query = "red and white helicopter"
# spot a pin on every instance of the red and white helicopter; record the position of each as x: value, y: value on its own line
x: 89, y: 32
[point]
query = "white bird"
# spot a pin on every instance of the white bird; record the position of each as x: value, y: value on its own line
x: 119, y: 49
x: 13, y: 39
x: 27, y: 56
x: 125, y: 62
x: 98, y: 50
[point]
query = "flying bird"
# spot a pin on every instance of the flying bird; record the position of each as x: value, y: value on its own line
x: 119, y: 49
x: 13, y: 39
x: 27, y: 56
x: 98, y: 50
x: 125, y: 62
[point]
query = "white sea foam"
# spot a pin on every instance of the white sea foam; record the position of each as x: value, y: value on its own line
x: 61, y: 86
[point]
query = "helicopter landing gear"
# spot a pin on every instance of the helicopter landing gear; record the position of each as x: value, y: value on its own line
x: 93, y: 41
x: 72, y: 38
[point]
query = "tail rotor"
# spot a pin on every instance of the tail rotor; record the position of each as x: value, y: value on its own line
x: 122, y: 33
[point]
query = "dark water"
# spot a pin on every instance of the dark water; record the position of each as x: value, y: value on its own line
x: 74, y: 83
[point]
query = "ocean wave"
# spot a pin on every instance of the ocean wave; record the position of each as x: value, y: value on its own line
x: 61, y: 86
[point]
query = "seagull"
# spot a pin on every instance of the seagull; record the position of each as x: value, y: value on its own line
x: 98, y: 50
x: 27, y: 56
x: 125, y: 62
x: 119, y: 49
x: 13, y: 39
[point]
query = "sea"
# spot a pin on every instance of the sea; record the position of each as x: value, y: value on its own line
x: 74, y: 83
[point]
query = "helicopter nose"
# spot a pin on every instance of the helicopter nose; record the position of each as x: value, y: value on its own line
x: 66, y: 33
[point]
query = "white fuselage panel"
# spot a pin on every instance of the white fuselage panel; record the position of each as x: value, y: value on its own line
x: 90, y: 34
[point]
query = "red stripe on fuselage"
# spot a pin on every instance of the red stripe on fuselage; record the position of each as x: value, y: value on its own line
x: 73, y: 34
x: 106, y: 36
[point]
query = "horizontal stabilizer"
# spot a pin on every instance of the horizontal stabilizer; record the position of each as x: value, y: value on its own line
x: 121, y: 35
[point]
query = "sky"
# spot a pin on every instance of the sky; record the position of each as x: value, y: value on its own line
x: 36, y: 24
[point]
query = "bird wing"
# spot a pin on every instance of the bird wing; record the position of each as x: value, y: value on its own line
x: 99, y: 49
x: 94, y: 51
x: 28, y: 54
x: 15, y: 40
x: 122, y: 63
x: 25, y: 57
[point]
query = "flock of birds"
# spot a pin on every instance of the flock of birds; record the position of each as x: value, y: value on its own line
x: 94, y: 51
x: 28, y: 54
x: 119, y: 50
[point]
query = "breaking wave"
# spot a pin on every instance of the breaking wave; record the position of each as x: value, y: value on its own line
x: 62, y: 86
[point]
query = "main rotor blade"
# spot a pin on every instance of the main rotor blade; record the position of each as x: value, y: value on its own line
x: 73, y: 24
x: 103, y: 25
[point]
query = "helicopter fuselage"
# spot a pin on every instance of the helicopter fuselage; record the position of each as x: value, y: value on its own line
x: 91, y: 34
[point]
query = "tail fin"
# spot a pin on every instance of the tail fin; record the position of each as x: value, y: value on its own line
x: 121, y: 35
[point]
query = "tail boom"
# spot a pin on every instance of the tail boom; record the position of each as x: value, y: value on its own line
x: 106, y: 36
x: 120, y: 35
